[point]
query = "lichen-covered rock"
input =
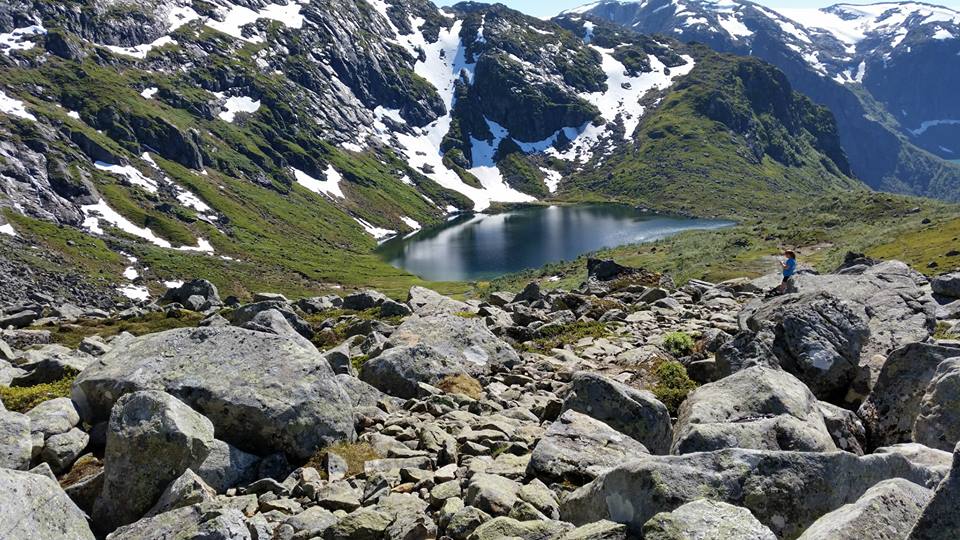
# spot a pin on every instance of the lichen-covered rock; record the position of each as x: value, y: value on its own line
x: 206, y: 520
x: 186, y: 490
x: 938, y: 421
x: 939, y: 519
x: 53, y: 417
x: 505, y: 527
x: 892, y: 408
x: 152, y: 439
x: 16, y: 445
x: 264, y: 393
x: 759, y: 407
x: 62, y: 449
x: 425, y: 302
x: 786, y: 491
x: 636, y: 413
x: 227, y: 466
x: 34, y: 507
x: 887, y: 511
x: 577, y: 448
x: 704, y: 519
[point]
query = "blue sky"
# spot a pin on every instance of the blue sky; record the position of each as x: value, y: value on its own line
x: 544, y: 8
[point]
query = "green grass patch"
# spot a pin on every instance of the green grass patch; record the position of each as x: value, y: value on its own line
x: 23, y: 398
x: 943, y: 332
x: 355, y: 454
x: 678, y: 343
x: 71, y: 334
x: 556, y: 336
x: 673, y: 385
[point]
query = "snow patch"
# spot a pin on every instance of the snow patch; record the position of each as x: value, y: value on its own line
x: 410, y: 222
x: 148, y: 93
x: 942, y: 34
x: 134, y: 292
x: 235, y: 17
x: 734, y: 26
x: 129, y: 172
x: 588, y: 28
x: 552, y: 179
x: 141, y: 51
x: 19, y: 38
x: 14, y: 107
x: 237, y: 104
x: 377, y: 233
x: 7, y: 228
x: 329, y: 187
x: 933, y: 123
x: 95, y: 213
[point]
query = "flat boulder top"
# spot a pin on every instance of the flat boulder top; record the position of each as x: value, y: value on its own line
x: 260, y: 389
x: 462, y: 339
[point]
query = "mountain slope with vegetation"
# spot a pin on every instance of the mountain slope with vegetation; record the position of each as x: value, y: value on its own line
x: 269, y: 146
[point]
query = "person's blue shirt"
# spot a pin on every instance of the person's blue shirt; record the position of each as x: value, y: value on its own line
x: 791, y: 267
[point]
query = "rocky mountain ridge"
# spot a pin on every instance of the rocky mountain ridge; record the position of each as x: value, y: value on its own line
x: 170, y: 139
x: 886, y: 70
x: 536, y: 414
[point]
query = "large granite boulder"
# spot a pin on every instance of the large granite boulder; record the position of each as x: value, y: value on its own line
x: 938, y: 421
x: 16, y: 445
x: 577, y: 449
x: 947, y: 285
x: 940, y: 519
x: 426, y: 302
x: 635, y: 413
x: 786, y: 491
x: 892, y: 408
x: 427, y: 349
x: 34, y: 507
x: 894, y: 297
x: 759, y: 407
x: 213, y: 520
x: 263, y: 393
x: 816, y: 336
x: 706, y: 520
x: 152, y: 439
x: 887, y: 511
x: 198, y: 287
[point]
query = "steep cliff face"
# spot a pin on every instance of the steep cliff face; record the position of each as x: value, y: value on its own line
x: 887, y: 71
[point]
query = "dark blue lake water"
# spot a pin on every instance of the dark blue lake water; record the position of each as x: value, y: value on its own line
x: 487, y: 246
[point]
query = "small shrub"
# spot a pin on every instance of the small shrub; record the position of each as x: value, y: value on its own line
x: 943, y: 332
x: 355, y: 454
x: 678, y: 343
x: 23, y: 398
x: 461, y: 384
x: 358, y: 361
x: 673, y: 385
x: 556, y: 336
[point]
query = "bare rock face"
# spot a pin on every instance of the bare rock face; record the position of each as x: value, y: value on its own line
x: 759, y: 407
x: 34, y: 507
x: 887, y: 510
x: 152, y: 439
x: 786, y: 491
x: 264, y: 393
x: 635, y: 413
x: 939, y: 519
x: 706, y: 519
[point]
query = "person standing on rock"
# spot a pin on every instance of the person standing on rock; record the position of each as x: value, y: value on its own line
x: 789, y: 265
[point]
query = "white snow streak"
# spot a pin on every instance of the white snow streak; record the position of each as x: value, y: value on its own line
x: 14, y: 107
x: 329, y: 187
x: 236, y: 104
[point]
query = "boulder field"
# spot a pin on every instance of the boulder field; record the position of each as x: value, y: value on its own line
x: 627, y: 408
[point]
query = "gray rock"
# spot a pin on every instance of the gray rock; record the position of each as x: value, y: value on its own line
x: 8, y: 373
x: 340, y: 357
x: 363, y: 300
x: 844, y: 427
x: 272, y: 321
x: 186, y: 490
x: 759, y: 408
x: 53, y: 417
x: 706, y: 520
x: 197, y: 287
x: 427, y: 349
x: 465, y: 521
x: 390, y: 308
x: 248, y: 314
x: 892, y: 407
x: 636, y: 413
x: 504, y: 527
x: 262, y: 392
x: 922, y: 456
x: 361, y: 524
x: 264, y: 296
x: 938, y: 422
x: 786, y: 491
x: 16, y: 445
x: 50, y: 363
x: 226, y: 467
x: 887, y: 511
x: 947, y: 285
x: 577, y: 448
x: 152, y: 439
x: 537, y: 494
x: 900, y: 310
x: 61, y: 450
x: 598, y: 530
x: 940, y: 519
x: 34, y: 507
x: 45, y: 470
x: 19, y: 319
x: 425, y: 302
x: 6, y: 353
x: 818, y: 337
x: 211, y: 521
x: 491, y: 493
x: 311, y: 523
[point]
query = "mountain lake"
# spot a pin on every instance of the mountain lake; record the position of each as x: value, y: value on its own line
x: 482, y: 246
